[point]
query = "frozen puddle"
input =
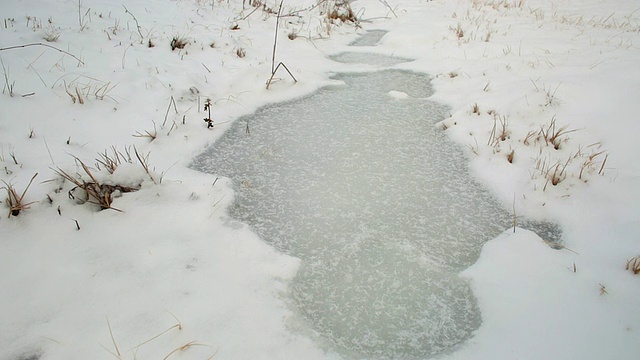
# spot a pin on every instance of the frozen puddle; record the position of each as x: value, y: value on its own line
x: 357, y: 182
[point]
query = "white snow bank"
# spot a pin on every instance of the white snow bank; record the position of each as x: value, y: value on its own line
x: 533, y: 300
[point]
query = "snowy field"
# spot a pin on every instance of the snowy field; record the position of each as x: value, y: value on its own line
x: 110, y: 96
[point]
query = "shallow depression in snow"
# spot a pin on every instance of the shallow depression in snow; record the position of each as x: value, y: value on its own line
x: 375, y: 200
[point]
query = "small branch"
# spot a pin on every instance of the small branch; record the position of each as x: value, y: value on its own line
x: 134, y: 19
x: 275, y: 42
x: 113, y: 340
x: 42, y: 44
x: 251, y: 13
x: 389, y: 6
x: 276, y: 70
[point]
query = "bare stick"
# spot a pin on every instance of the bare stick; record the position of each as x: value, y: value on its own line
x: 42, y: 44
x: 172, y: 101
x: 389, y: 6
x: 274, y: 73
x: 601, y: 172
x: 49, y: 151
x: 251, y: 13
x: 111, y: 333
x: 134, y: 19
x: 275, y: 41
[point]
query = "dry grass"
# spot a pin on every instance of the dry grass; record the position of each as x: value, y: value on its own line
x: 8, y: 84
x: 118, y: 354
x: 459, y: 32
x: 633, y: 265
x: 553, y: 135
x: 603, y: 290
x: 342, y: 11
x: 83, y: 88
x: 51, y: 35
x: 152, y: 135
x: 111, y: 161
x: 144, y: 162
x: 498, y: 133
x: 556, y: 174
x: 591, y: 162
x: 15, y: 201
x: 95, y: 192
x: 475, y: 109
x: 178, y: 42
x: 530, y: 135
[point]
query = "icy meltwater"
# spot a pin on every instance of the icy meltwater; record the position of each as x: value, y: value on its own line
x: 358, y: 182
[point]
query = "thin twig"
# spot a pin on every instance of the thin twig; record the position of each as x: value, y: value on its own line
x: 172, y: 101
x: 389, y: 6
x: 275, y: 41
x: 42, y: 44
x: 112, y: 338
x: 274, y: 73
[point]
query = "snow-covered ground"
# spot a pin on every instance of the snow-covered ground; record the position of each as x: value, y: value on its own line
x: 165, y: 274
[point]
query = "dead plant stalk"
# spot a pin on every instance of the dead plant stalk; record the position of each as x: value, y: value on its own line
x: 15, y: 201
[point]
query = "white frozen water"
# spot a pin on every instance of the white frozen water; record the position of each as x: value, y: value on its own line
x: 375, y: 200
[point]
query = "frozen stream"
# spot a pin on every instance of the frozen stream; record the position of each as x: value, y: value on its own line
x: 357, y: 182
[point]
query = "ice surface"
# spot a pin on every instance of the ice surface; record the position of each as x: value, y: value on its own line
x: 375, y: 200
x: 370, y: 38
x: 366, y: 58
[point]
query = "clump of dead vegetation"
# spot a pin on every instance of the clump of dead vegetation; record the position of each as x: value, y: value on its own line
x: 178, y: 42
x: 89, y: 188
x: 633, y: 265
x: 341, y: 10
x: 15, y: 201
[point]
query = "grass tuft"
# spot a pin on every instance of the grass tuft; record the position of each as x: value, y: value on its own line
x: 152, y: 135
x: 555, y: 136
x: 633, y: 265
x: 178, y: 42
x: 510, y: 156
x: 95, y: 192
x: 475, y: 109
x: 15, y: 201
x: 342, y: 11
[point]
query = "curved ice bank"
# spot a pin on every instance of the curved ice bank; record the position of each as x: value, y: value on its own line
x: 376, y: 202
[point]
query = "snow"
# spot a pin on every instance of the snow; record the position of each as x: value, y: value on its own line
x: 171, y: 255
x: 398, y: 95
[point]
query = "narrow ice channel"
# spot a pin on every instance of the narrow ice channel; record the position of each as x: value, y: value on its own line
x: 357, y: 182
